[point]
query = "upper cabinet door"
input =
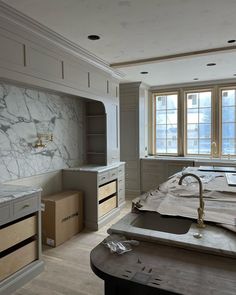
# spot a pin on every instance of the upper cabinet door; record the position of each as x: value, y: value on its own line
x: 12, y: 52
x: 113, y: 133
x: 44, y: 63
x: 98, y: 82
x: 76, y: 74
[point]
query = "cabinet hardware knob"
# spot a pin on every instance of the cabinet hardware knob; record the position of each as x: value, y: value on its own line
x: 103, y: 177
x: 26, y: 206
x: 113, y: 174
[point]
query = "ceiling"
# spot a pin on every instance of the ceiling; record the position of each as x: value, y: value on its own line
x: 134, y: 31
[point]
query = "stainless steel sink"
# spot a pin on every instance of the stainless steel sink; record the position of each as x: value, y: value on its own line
x: 158, y: 222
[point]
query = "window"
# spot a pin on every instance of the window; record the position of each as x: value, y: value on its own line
x: 166, y: 131
x: 198, y: 123
x: 195, y: 122
x: 228, y: 122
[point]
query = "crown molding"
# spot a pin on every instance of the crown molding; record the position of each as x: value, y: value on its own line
x: 41, y: 30
x: 194, y: 84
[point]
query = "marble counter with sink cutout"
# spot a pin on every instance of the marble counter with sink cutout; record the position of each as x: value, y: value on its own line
x: 215, y: 240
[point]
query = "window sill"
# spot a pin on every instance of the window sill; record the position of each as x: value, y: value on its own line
x: 194, y: 159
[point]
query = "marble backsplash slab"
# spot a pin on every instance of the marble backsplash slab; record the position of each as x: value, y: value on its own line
x: 24, y: 113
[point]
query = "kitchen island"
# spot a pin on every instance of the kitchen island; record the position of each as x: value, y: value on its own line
x: 159, y: 269
x: 175, y: 256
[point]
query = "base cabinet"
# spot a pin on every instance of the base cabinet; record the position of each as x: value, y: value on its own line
x: 104, y: 191
x: 156, y: 171
x: 20, y: 246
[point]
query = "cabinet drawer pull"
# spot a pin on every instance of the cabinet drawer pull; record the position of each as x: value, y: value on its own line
x: 113, y: 174
x: 25, y: 206
x: 104, y: 177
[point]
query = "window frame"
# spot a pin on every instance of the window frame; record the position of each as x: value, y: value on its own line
x: 216, y: 121
x: 184, y: 122
x: 221, y: 89
x: 154, y: 95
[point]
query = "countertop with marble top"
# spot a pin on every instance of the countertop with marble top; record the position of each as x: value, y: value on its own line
x: 11, y: 192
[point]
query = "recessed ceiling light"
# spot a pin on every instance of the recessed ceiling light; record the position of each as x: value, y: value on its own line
x: 231, y: 41
x: 195, y: 79
x: 211, y: 64
x: 144, y: 73
x: 94, y: 37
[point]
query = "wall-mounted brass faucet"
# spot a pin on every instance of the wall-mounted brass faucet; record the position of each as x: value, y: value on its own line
x: 200, y: 210
x: 42, y: 139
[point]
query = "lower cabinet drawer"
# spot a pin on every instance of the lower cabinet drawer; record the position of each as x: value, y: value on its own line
x: 106, y: 206
x: 103, y: 177
x: 24, y: 207
x: 17, y: 232
x: 16, y: 260
x: 106, y: 190
x: 113, y: 173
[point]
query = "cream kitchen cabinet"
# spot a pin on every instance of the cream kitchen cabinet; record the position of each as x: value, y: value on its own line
x: 156, y: 171
x: 20, y: 236
x: 104, y: 191
x: 133, y: 144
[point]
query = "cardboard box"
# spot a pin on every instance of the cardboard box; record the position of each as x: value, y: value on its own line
x: 62, y: 217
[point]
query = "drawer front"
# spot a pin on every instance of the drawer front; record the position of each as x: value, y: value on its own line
x: 25, y: 206
x: 106, y: 206
x: 106, y: 190
x: 103, y: 178
x: 113, y: 174
x: 5, y: 213
x: 17, y: 232
x: 14, y: 261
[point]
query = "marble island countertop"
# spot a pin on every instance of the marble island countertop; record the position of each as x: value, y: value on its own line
x: 215, y: 240
x: 11, y: 192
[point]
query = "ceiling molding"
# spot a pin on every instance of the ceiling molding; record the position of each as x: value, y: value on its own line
x: 193, y: 84
x: 177, y: 56
x: 46, y: 33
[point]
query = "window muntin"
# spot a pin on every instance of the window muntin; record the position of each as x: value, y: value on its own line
x: 228, y: 122
x: 166, y: 106
x: 198, y: 122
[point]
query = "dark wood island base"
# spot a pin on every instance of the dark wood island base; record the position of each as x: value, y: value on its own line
x: 159, y: 269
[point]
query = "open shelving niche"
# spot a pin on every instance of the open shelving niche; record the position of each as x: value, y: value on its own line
x: 96, y: 145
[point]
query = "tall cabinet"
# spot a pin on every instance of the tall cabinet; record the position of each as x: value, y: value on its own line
x: 133, y: 131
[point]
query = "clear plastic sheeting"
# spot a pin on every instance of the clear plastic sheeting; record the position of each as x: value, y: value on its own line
x: 120, y: 247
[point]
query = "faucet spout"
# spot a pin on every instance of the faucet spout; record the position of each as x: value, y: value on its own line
x: 200, y: 209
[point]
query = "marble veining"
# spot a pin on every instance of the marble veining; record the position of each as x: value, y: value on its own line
x: 24, y: 113
x: 11, y: 192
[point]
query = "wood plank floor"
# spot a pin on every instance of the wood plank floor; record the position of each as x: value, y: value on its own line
x: 67, y: 267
